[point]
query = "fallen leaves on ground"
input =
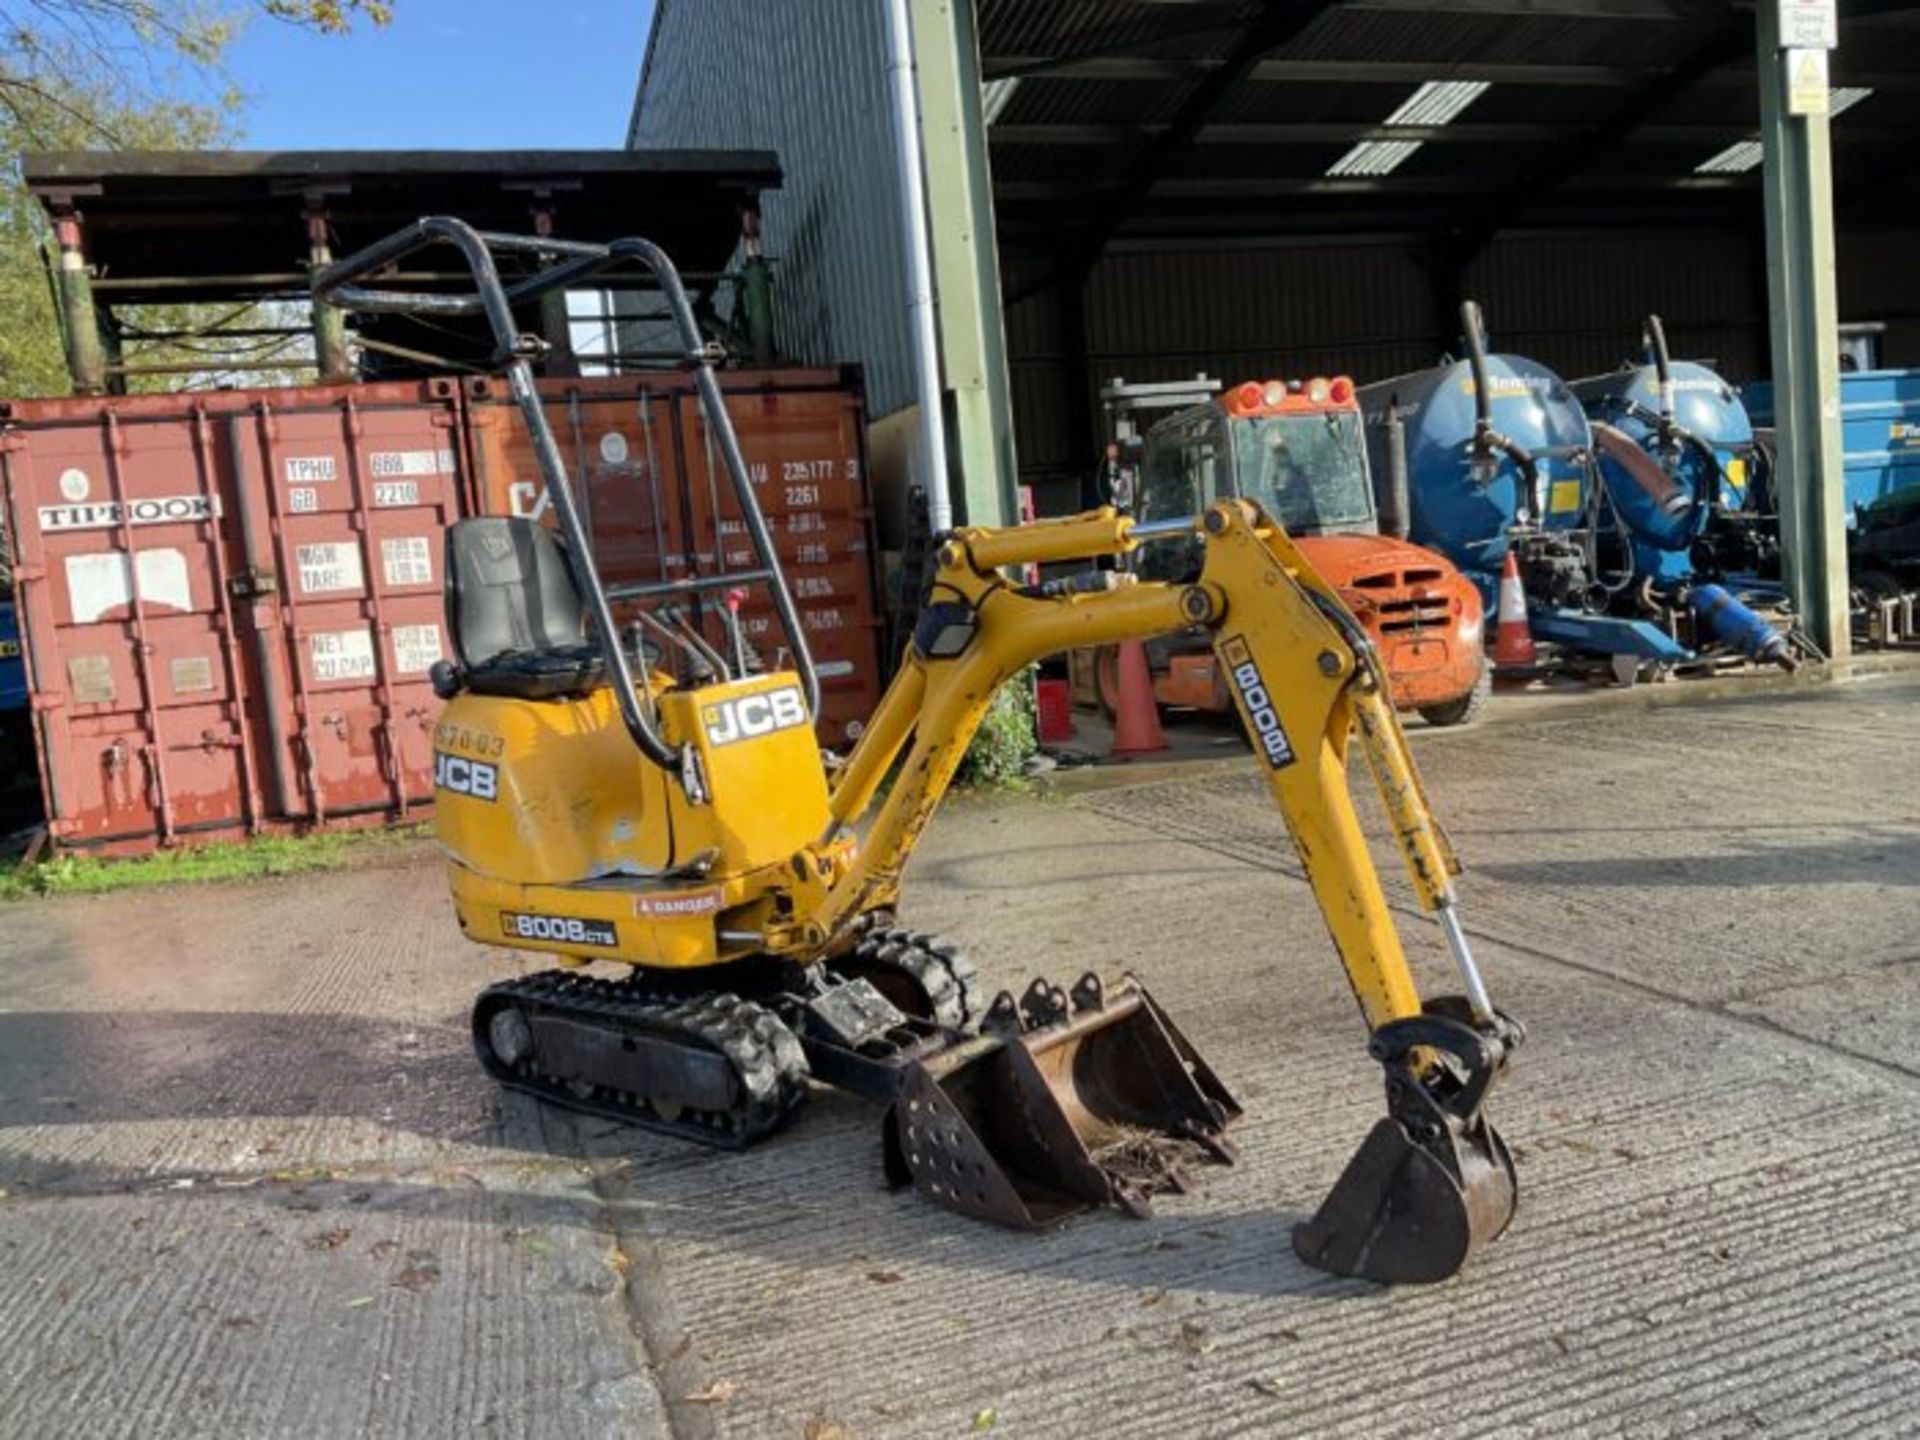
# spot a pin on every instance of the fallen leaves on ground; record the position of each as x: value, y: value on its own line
x: 422, y: 1269
x: 885, y: 1277
x: 985, y: 1420
x: 717, y: 1393
x: 1195, y: 1338
x: 818, y: 1427
x: 329, y: 1239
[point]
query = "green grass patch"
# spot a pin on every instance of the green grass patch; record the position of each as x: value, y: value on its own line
x: 240, y: 860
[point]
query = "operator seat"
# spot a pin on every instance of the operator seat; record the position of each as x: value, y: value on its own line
x: 514, y: 615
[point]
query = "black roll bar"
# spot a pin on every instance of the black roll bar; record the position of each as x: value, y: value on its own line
x: 342, y: 284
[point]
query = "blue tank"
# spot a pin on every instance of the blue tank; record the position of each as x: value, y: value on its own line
x: 1667, y: 494
x: 1464, y: 508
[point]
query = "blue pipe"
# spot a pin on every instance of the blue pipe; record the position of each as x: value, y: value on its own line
x: 1733, y: 624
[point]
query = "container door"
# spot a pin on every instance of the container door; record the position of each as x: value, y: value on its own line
x: 615, y: 438
x: 348, y: 495
x: 119, y: 510
x: 804, y: 452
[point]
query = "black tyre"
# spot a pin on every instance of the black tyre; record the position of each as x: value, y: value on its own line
x: 1459, y: 712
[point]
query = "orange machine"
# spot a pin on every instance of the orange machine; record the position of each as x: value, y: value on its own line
x: 1297, y: 448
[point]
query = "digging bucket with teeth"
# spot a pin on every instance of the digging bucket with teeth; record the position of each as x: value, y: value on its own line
x: 1064, y: 1101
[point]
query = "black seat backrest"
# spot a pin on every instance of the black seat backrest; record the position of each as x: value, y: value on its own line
x: 509, y: 591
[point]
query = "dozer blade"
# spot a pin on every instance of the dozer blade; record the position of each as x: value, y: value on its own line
x: 1433, y: 1181
x: 1062, y: 1103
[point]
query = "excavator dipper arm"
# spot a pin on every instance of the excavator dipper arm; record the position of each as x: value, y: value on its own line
x: 1433, y: 1181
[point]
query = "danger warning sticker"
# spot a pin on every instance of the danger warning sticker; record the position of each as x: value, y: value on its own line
x: 680, y: 906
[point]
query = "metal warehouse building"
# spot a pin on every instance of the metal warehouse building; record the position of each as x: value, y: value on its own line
x: 1145, y: 189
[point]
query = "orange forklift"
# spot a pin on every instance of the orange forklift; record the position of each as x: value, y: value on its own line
x: 1297, y: 448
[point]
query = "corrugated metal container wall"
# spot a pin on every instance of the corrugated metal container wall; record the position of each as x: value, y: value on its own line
x: 809, y: 82
x: 655, y: 488
x: 229, y: 603
x: 1575, y: 302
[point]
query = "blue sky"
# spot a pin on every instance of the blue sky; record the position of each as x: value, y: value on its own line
x: 448, y: 74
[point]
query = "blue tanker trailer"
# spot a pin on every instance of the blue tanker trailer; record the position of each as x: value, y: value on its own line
x: 1496, y: 453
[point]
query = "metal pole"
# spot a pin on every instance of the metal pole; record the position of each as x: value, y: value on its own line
x: 1804, y: 314
x: 556, y: 320
x: 86, y: 357
x: 756, y: 292
x: 913, y: 229
x: 329, y: 321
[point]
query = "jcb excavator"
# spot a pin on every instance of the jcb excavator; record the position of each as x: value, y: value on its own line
x: 595, y: 805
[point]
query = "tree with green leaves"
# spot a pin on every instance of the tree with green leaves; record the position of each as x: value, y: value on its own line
x: 112, y: 75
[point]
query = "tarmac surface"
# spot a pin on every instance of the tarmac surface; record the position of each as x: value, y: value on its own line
x: 252, y: 1183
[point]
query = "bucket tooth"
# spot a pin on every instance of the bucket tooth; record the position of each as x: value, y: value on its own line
x: 1433, y: 1181
x: 1066, y: 1101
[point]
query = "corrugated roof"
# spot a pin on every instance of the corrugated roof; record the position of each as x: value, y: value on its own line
x: 1595, y: 110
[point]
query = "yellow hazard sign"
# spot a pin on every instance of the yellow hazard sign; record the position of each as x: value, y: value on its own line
x: 1807, y: 82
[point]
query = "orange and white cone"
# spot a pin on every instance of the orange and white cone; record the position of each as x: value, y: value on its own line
x: 1513, y: 647
x: 1136, y: 719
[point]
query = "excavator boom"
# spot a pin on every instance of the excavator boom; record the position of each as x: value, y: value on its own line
x: 1433, y: 1181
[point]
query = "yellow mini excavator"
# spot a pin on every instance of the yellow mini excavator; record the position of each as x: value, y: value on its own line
x: 612, y: 787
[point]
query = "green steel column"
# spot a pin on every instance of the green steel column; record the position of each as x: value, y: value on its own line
x: 966, y: 263
x: 79, y: 324
x: 1804, y: 314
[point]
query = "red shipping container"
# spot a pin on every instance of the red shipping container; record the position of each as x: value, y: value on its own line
x: 229, y: 601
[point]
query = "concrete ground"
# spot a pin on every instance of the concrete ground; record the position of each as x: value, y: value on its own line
x: 251, y: 1183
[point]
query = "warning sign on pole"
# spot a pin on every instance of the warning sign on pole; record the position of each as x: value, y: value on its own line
x: 1809, y: 24
x: 1806, y: 82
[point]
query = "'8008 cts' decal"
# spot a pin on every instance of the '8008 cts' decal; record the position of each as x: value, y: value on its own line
x: 1262, y: 718
x: 558, y: 929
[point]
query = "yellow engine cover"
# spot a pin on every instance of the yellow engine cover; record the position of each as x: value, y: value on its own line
x: 550, y: 815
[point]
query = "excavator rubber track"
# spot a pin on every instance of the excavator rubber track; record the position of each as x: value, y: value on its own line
x: 710, y: 1067
x: 924, y: 975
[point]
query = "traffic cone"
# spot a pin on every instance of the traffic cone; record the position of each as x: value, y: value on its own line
x: 1136, y: 719
x: 1513, y: 647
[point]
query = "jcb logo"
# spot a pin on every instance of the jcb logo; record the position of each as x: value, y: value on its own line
x: 458, y: 775
x: 752, y: 716
x: 1262, y: 718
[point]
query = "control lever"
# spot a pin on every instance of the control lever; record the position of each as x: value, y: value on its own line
x: 677, y: 618
x: 734, y: 598
x: 700, y: 668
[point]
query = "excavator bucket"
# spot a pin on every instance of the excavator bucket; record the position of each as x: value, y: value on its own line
x: 1063, y: 1102
x: 1433, y: 1181
x: 1408, y: 1212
